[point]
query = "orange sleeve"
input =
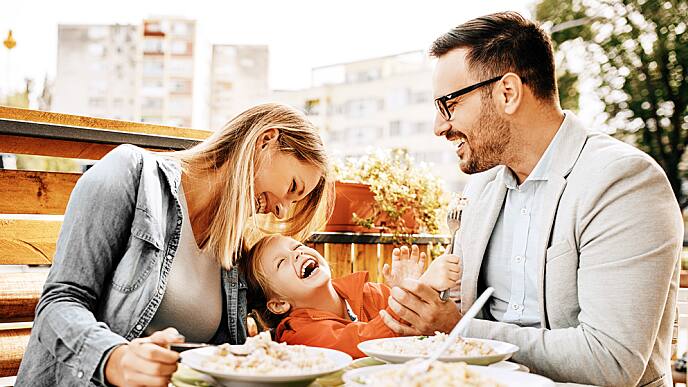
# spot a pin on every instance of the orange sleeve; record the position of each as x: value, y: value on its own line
x: 375, y: 295
x: 337, y: 335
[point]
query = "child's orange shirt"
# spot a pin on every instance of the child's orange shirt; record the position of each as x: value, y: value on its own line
x: 318, y: 328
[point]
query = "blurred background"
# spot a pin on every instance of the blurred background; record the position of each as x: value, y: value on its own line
x: 359, y: 69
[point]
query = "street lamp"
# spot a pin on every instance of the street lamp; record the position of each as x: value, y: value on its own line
x: 10, y: 43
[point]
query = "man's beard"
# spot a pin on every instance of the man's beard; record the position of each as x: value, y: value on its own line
x: 489, y: 145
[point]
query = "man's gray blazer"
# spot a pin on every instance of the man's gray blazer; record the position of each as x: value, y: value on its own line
x: 609, y: 263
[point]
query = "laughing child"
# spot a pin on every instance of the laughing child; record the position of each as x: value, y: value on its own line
x: 291, y: 288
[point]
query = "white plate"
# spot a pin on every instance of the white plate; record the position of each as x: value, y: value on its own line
x: 195, y: 358
x: 507, y: 365
x: 503, y: 351
x: 508, y: 378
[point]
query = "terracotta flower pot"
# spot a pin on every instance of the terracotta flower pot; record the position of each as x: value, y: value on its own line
x: 357, y: 198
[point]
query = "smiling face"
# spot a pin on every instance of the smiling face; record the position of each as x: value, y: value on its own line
x: 281, y: 179
x: 480, y: 135
x: 295, y: 273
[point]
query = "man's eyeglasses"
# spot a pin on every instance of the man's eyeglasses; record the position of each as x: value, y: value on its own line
x: 441, y: 102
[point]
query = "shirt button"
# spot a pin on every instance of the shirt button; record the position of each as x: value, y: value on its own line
x: 524, y: 211
x: 518, y: 259
x: 80, y: 374
x: 139, y: 327
x: 516, y: 307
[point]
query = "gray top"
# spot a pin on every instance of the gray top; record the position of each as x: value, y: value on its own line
x: 195, y: 276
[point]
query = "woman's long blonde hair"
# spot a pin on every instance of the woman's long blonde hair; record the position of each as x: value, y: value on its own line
x: 232, y: 152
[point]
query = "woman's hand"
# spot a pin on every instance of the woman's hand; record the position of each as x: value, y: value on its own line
x: 145, y: 361
x: 404, y: 265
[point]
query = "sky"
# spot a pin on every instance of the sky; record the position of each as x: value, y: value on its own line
x: 300, y: 34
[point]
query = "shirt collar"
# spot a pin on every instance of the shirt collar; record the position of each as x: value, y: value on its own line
x: 541, y: 172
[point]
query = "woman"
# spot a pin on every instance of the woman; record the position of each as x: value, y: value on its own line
x: 149, y: 241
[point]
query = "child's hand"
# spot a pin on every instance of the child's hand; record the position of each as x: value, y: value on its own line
x: 444, y: 272
x: 404, y: 265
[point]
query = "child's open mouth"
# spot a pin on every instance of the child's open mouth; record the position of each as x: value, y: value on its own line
x: 308, y: 267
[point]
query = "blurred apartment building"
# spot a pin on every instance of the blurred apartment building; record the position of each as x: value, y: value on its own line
x: 168, y: 71
x: 98, y: 70
x: 238, y: 80
x: 381, y: 102
x: 130, y: 72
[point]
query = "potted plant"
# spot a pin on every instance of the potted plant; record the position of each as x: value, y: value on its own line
x: 387, y: 192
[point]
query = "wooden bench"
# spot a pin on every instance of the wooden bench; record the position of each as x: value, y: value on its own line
x: 32, y: 204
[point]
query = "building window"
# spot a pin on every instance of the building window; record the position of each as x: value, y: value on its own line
x: 395, y: 128
x: 181, y: 86
x: 152, y: 103
x: 153, y: 46
x: 96, y: 102
x: 180, y: 47
x: 96, y: 50
x: 363, y: 107
x: 398, y: 98
x: 181, y: 28
x: 153, y: 68
x: 181, y: 66
x: 97, y: 32
x: 364, y: 135
x: 421, y: 127
x: 420, y: 97
x: 337, y: 136
x: 180, y: 105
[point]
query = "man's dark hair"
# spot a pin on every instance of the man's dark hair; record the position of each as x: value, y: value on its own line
x: 504, y: 42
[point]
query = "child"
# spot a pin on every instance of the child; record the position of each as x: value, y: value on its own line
x: 291, y: 288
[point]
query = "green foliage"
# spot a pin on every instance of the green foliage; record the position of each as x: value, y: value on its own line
x: 400, y: 188
x: 636, y: 53
x: 44, y: 163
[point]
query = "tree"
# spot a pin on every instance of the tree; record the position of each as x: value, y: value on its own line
x: 636, y: 55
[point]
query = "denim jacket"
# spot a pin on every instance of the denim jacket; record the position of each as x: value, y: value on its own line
x: 120, y: 234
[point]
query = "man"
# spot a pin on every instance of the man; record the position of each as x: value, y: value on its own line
x: 578, y: 233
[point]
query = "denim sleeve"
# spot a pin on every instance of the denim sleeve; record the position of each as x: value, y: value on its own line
x: 94, y: 234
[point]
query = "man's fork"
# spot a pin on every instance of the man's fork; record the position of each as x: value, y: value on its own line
x: 453, y: 223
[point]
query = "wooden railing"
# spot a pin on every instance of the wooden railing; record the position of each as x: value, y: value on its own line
x: 32, y: 204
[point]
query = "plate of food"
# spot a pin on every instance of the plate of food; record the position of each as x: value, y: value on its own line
x: 263, y: 361
x: 442, y: 374
x: 471, y: 351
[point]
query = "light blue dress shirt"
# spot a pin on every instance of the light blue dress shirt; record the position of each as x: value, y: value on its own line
x: 510, y: 265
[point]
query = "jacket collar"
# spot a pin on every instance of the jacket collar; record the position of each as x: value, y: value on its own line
x: 349, y: 287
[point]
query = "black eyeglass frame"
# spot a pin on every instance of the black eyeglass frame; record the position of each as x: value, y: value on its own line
x: 441, y: 102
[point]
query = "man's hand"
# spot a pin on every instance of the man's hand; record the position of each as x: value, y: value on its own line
x: 444, y: 272
x: 144, y: 361
x: 420, y: 307
x: 404, y: 265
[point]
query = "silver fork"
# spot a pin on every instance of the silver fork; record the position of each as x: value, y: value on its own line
x: 453, y: 223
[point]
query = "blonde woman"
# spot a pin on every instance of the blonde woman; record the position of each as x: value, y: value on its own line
x: 149, y: 241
